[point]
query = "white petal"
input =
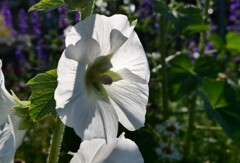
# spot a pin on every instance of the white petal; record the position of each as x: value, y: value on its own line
x: 131, y: 77
x: 71, y: 74
x: 129, y: 100
x: 92, y: 118
x: 125, y: 151
x: 71, y: 71
x: 75, y: 33
x: 120, y: 150
x: 10, y: 139
x: 99, y: 27
x: 117, y: 39
x: 6, y: 141
x: 131, y: 55
x: 18, y: 135
x: 6, y: 100
x: 89, y: 118
x: 78, y: 158
x: 66, y: 85
x: 88, y: 150
x: 85, y: 50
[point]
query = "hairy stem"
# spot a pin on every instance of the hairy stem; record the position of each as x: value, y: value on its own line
x: 56, y: 142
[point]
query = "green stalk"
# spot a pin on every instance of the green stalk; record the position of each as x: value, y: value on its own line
x: 202, y: 42
x: 56, y: 142
x: 163, y: 32
x: 191, y: 107
x: 192, y: 100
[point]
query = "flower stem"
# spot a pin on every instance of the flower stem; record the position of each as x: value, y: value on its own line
x: 56, y: 142
x: 163, y: 53
x: 192, y: 104
x: 202, y: 42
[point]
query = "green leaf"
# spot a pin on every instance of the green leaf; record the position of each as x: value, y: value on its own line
x: 206, y: 66
x: 47, y: 5
x: 190, y: 20
x: 193, y: 29
x: 182, y: 79
x: 163, y: 9
x: 214, y: 90
x: 42, y: 97
x: 83, y: 6
x: 217, y: 41
x: 181, y: 63
x: 228, y: 117
x: 233, y: 42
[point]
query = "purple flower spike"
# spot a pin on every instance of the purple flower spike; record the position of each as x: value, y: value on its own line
x: 77, y: 17
x: 146, y: 8
x: 7, y: 16
x: 41, y: 53
x: 35, y: 23
x: 23, y: 21
x: 62, y: 22
x: 20, y: 56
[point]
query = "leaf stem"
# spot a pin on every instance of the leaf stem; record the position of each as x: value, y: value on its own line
x: 163, y: 32
x: 56, y: 142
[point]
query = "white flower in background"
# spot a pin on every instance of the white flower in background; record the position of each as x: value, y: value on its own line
x: 154, y: 55
x: 10, y: 134
x: 168, y: 152
x: 102, y: 5
x: 121, y: 150
x: 103, y: 77
x: 169, y: 128
x: 129, y: 7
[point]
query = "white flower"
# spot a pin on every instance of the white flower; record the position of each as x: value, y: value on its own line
x: 102, y: 5
x: 6, y: 100
x: 121, y: 150
x: 103, y: 78
x: 168, y: 152
x: 169, y: 128
x: 10, y: 134
x: 10, y: 139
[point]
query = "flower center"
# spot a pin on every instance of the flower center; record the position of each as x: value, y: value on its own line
x: 167, y: 150
x: 99, y: 74
x: 171, y: 128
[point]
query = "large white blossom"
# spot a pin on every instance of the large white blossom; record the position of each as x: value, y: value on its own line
x: 121, y: 150
x: 10, y: 134
x: 103, y: 77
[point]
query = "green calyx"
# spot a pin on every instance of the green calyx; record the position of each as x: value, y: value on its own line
x: 99, y: 74
x: 21, y: 110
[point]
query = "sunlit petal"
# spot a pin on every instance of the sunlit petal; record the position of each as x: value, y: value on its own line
x: 121, y: 150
